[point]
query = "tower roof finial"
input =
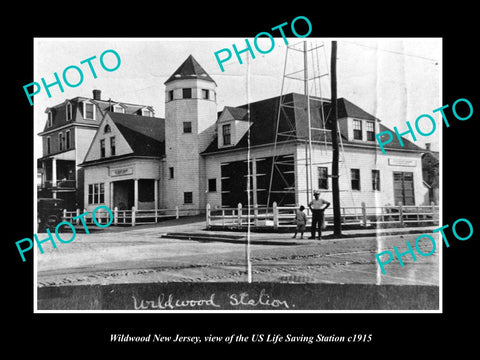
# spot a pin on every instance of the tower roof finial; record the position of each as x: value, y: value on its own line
x: 190, y: 69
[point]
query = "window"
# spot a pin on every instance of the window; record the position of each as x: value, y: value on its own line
x: 89, y: 111
x: 67, y: 139
x: 107, y: 129
x: 146, y: 112
x: 322, y: 177
x: 69, y: 111
x: 96, y: 193
x: 357, y: 129
x: 187, y: 127
x: 187, y: 93
x: 112, y: 146
x: 376, y: 180
x: 102, y: 148
x: 60, y: 141
x: 170, y: 95
x: 48, y: 145
x: 119, y: 109
x: 403, y: 190
x: 171, y: 171
x: 370, y: 131
x: 205, y: 94
x: 49, y: 119
x: 226, y: 134
x: 355, y: 178
x: 212, y: 185
x: 188, y: 197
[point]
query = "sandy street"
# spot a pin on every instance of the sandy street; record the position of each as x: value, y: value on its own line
x: 140, y: 254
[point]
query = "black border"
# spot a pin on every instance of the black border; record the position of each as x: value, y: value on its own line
x: 402, y: 333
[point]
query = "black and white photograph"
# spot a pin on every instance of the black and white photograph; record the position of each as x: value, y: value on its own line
x: 163, y: 163
x: 203, y: 178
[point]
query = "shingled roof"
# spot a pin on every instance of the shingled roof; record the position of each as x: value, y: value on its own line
x: 264, y: 113
x: 190, y: 69
x: 145, y: 135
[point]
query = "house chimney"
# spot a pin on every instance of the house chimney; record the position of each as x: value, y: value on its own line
x: 97, y: 94
x: 427, y: 146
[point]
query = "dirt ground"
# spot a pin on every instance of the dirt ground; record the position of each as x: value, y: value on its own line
x: 142, y: 255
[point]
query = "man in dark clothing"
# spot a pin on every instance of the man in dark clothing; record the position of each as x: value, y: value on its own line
x: 317, y: 207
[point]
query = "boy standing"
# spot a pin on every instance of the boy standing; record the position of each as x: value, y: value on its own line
x: 301, y: 221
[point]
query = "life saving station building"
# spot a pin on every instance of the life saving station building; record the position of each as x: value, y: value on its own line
x: 198, y: 155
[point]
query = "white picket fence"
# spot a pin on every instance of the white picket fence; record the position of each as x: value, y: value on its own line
x: 275, y: 217
x: 284, y: 216
x: 130, y: 217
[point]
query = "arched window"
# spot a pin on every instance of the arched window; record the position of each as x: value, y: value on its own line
x: 107, y: 129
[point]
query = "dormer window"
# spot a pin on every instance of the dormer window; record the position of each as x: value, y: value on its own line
x: 118, y: 109
x: 370, y: 131
x: 88, y: 111
x: 68, y: 110
x: 146, y: 112
x: 49, y: 119
x: 357, y: 129
x: 226, y: 133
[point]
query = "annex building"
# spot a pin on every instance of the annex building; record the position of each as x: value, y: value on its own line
x: 123, y: 156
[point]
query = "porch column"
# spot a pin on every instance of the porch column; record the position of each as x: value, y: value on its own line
x: 54, y: 172
x: 135, y: 193
x: 155, y: 192
x: 110, y: 196
x: 44, y: 173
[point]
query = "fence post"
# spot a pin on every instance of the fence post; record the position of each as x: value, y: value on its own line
x: 115, y: 215
x: 400, y: 211
x: 239, y: 215
x: 133, y: 215
x: 177, y: 214
x: 208, y: 216
x: 342, y: 219
x: 432, y: 204
x: 64, y: 214
x: 364, y: 214
x: 275, y: 215
x: 255, y: 215
x: 78, y: 219
x: 84, y: 211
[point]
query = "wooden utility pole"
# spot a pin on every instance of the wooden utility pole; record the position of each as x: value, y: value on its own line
x: 337, y: 224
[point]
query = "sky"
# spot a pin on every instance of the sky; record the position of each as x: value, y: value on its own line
x: 395, y: 79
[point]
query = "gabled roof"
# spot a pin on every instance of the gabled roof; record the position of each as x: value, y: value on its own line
x: 264, y: 113
x: 145, y: 135
x: 237, y: 113
x: 190, y: 69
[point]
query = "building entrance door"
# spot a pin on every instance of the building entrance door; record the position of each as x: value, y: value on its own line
x: 403, y: 188
x: 123, y: 194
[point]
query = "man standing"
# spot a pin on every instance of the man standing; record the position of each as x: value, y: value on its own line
x: 317, y: 207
